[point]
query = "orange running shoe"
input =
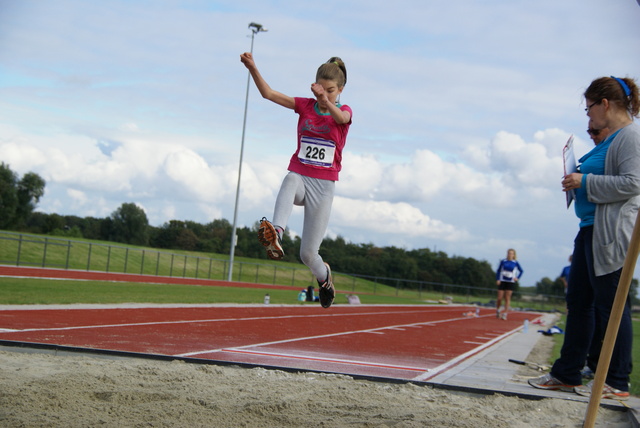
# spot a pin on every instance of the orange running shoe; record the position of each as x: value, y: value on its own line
x: 268, y: 237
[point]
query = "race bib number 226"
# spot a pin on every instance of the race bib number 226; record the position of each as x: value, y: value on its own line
x: 316, y: 151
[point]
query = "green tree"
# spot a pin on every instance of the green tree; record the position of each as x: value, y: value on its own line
x: 8, y: 196
x: 18, y: 197
x: 53, y: 221
x: 130, y: 225
x: 29, y: 190
x: 549, y: 287
x: 167, y: 235
x: 187, y: 240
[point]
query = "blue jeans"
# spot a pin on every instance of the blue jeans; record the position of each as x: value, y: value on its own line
x: 589, y: 301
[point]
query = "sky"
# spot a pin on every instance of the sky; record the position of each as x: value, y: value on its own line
x: 460, y: 112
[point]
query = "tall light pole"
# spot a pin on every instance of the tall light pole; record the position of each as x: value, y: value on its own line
x: 255, y: 28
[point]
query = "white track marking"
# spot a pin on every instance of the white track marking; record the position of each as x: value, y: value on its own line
x: 84, y: 327
x: 379, y: 330
x: 443, y: 367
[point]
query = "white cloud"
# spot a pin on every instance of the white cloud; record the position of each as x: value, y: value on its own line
x: 21, y: 156
x: 191, y: 173
x: 525, y: 164
x: 392, y: 218
x: 361, y: 175
x: 78, y: 197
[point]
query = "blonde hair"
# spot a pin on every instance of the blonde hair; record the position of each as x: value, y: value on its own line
x: 515, y: 255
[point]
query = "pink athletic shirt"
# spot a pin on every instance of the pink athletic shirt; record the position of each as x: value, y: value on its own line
x: 320, y: 141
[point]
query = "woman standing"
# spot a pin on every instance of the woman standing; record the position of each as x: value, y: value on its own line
x: 508, y: 273
x: 323, y: 124
x: 607, y: 200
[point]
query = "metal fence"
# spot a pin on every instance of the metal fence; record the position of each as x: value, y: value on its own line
x: 21, y: 249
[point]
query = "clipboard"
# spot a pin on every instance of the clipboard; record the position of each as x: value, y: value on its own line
x: 569, y: 163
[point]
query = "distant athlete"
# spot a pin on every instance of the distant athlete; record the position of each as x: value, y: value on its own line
x: 508, y: 273
x: 323, y: 125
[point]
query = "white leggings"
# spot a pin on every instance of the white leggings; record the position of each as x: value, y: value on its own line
x: 316, y: 196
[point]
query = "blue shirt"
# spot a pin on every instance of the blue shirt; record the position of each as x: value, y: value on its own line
x: 591, y: 163
x: 508, y: 271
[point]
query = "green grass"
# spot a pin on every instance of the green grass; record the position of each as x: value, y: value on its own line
x: 22, y: 291
x: 558, y: 339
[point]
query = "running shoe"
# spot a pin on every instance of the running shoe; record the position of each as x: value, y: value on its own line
x: 268, y: 237
x: 607, y: 391
x: 503, y: 316
x: 498, y: 313
x: 327, y: 291
x: 551, y: 383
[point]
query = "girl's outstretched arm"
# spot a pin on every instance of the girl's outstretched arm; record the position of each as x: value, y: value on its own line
x: 265, y: 90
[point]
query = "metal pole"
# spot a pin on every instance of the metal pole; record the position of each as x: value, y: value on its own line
x: 255, y: 28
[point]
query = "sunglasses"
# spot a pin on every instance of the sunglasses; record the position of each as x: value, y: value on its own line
x: 593, y: 132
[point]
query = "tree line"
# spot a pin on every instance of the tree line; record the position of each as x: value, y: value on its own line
x: 129, y: 224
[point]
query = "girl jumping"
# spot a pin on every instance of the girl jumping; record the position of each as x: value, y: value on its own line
x: 323, y: 125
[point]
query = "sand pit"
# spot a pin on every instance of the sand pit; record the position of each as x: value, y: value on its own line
x: 47, y: 390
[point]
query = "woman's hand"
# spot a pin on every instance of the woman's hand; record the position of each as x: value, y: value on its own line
x: 572, y: 181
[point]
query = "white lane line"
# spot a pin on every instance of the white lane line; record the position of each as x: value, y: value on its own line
x: 443, y: 367
x: 261, y: 318
x: 379, y: 330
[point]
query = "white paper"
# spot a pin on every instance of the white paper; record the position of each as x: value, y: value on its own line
x: 570, y: 166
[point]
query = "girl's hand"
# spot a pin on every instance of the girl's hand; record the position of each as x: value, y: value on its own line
x: 321, y: 96
x: 572, y: 181
x: 317, y: 89
x: 247, y: 59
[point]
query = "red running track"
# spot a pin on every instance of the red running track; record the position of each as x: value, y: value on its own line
x: 400, y: 342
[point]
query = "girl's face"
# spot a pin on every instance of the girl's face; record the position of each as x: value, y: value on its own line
x: 511, y: 255
x: 331, y: 89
